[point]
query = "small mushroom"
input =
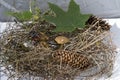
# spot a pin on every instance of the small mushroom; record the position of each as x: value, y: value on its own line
x: 61, y: 39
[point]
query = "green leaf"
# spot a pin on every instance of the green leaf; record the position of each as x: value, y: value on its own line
x: 67, y: 21
x: 22, y: 16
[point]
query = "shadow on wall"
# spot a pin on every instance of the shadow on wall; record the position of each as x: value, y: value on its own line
x: 12, y: 5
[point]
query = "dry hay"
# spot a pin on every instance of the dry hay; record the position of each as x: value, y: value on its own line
x: 88, y: 55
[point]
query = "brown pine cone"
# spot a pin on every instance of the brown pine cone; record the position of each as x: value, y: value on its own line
x: 70, y: 58
x: 103, y: 25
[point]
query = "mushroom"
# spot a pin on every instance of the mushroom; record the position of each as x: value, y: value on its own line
x: 61, y: 39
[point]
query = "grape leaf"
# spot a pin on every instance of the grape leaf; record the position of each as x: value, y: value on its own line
x: 67, y: 21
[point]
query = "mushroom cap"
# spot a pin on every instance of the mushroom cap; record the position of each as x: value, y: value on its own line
x: 61, y: 39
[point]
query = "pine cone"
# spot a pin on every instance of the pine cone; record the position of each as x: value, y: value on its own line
x: 72, y: 59
x: 101, y: 23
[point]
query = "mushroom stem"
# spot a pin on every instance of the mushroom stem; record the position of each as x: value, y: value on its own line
x: 61, y: 46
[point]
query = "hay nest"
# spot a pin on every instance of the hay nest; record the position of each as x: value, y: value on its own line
x: 30, y: 51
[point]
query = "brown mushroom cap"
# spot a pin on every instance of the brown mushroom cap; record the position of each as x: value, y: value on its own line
x: 61, y: 39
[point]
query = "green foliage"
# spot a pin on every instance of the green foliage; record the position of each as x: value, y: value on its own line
x: 67, y: 21
x: 22, y: 16
x: 37, y: 14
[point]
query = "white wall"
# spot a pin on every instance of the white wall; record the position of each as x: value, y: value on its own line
x: 102, y: 8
